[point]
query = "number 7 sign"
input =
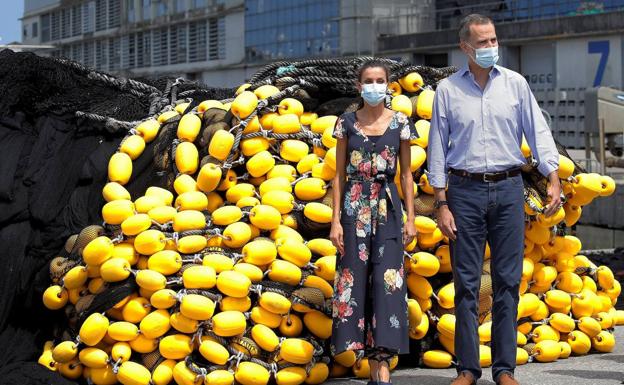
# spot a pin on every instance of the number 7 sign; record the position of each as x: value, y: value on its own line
x: 601, y: 47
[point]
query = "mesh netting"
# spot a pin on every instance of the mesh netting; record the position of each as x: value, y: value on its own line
x: 43, y: 85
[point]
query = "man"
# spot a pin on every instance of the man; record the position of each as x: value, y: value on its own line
x: 479, y: 116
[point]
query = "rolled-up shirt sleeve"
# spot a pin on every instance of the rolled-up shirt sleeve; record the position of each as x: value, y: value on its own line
x: 438, y: 143
x: 537, y: 133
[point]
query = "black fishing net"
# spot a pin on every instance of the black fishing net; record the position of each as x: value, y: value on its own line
x: 59, y: 124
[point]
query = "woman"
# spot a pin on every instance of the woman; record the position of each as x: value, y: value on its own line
x: 370, y: 295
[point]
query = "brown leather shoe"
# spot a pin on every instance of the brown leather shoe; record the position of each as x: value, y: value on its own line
x: 507, y: 379
x: 464, y: 378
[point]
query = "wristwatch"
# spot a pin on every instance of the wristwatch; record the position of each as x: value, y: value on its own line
x: 438, y: 204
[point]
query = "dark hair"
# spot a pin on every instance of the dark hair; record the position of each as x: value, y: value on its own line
x: 472, y: 19
x: 374, y: 63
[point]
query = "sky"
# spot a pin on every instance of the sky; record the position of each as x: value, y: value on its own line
x: 10, y: 26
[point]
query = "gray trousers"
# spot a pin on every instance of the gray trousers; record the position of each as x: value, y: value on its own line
x: 492, y: 211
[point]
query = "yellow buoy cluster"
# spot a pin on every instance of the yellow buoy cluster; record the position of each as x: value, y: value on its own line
x: 228, y: 290
x: 566, y: 302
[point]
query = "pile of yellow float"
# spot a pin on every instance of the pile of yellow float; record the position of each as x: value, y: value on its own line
x: 203, y: 254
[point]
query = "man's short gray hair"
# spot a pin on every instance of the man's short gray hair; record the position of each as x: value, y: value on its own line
x: 472, y: 19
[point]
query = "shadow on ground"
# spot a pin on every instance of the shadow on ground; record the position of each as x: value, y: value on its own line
x: 406, y: 380
x: 590, y: 374
x: 611, y: 357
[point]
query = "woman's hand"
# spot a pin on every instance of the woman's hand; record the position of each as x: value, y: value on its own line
x: 335, y: 236
x: 409, y: 232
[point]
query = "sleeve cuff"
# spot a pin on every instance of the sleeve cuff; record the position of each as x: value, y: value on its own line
x: 437, y: 180
x: 545, y: 168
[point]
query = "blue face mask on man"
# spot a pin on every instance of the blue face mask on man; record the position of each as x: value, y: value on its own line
x: 374, y: 93
x: 485, y: 57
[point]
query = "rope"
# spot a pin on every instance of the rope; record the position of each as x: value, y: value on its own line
x: 237, y: 138
x: 261, y: 363
x: 303, y: 134
x: 174, y: 147
x: 133, y: 86
x: 267, y: 69
x: 111, y: 125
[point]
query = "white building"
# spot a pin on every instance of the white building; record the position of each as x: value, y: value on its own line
x: 219, y: 42
x: 197, y: 39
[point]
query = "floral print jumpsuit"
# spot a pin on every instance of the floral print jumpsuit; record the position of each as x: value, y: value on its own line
x: 369, y: 305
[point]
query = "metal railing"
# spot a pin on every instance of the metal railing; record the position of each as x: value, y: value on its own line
x: 501, y: 11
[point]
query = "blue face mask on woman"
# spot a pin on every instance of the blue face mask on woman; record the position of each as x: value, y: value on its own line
x: 374, y: 93
x: 485, y: 57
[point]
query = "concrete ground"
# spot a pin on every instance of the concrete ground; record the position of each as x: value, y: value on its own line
x: 593, y: 369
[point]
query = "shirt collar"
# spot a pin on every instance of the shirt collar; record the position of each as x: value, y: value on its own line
x: 493, y: 73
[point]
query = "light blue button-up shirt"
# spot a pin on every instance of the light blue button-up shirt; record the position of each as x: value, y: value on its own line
x: 479, y: 130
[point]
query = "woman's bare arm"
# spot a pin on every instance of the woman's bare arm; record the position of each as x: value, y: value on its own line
x: 407, y: 181
x: 407, y: 186
x: 339, y: 179
x: 337, y: 188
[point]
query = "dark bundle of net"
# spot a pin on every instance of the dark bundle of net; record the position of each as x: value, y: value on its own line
x: 330, y: 84
x: 42, y: 85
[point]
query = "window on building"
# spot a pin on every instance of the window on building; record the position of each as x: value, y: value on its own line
x: 114, y: 54
x: 173, y: 45
x: 125, y: 43
x: 130, y: 11
x: 76, y: 52
x: 436, y: 60
x: 139, y: 49
x: 54, y: 26
x: 66, y: 52
x: 88, y: 17
x: 197, y: 41
x: 65, y: 23
x: 143, y: 48
x: 45, y: 27
x: 147, y: 9
x: 160, y: 47
x: 114, y: 13
x: 35, y: 29
x: 130, y: 52
x: 180, y: 6
x: 101, y: 55
x: 200, y: 3
x: 100, y: 15
x: 88, y: 50
x: 275, y: 29
x: 216, y: 39
x: 161, y: 8
x: 25, y: 32
x: 177, y: 40
x: 76, y: 20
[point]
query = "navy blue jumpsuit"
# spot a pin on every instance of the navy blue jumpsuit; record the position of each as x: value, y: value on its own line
x: 370, y: 292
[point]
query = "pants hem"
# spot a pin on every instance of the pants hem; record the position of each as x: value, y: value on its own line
x: 510, y: 372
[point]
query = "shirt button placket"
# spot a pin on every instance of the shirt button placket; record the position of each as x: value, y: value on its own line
x: 484, y: 129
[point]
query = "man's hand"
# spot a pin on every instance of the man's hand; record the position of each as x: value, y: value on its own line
x: 446, y: 222
x: 335, y: 236
x: 409, y: 232
x: 554, y: 195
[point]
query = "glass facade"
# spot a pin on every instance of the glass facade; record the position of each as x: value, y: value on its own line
x: 277, y: 29
x: 180, y: 6
x: 147, y: 9
x: 448, y: 13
